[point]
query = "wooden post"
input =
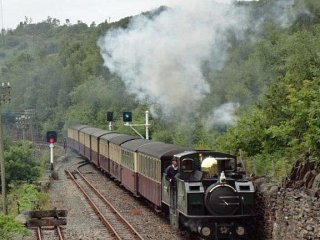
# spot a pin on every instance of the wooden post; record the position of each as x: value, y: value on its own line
x: 3, y: 171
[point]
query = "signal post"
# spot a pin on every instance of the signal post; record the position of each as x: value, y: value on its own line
x: 127, y: 119
x: 51, y: 138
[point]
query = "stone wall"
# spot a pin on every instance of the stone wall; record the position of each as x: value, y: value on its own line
x: 290, y: 211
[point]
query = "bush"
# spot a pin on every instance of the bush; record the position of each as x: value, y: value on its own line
x: 9, y: 228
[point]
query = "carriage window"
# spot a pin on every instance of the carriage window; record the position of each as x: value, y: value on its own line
x: 187, y: 165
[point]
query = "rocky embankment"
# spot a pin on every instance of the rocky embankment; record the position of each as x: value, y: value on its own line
x: 290, y: 211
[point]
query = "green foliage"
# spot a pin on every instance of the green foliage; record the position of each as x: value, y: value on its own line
x: 26, y: 197
x: 57, y: 69
x: 274, y: 166
x: 284, y: 126
x: 9, y: 228
x: 248, y: 135
x: 20, y: 163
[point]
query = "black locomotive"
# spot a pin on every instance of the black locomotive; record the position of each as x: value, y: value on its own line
x: 210, y: 196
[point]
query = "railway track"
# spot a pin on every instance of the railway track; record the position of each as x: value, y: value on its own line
x: 118, y: 227
x: 48, y: 233
x: 47, y: 224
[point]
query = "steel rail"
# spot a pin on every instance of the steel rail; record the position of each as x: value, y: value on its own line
x: 59, y: 233
x: 38, y: 233
x: 105, y: 222
x: 95, y: 208
x: 122, y: 219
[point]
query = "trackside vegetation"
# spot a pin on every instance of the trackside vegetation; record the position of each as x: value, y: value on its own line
x: 24, y: 165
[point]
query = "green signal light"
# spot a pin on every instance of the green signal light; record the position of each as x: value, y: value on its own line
x: 127, y: 116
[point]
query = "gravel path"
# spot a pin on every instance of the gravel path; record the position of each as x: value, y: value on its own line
x: 81, y: 220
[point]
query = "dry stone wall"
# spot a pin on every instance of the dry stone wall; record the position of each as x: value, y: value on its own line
x: 290, y: 211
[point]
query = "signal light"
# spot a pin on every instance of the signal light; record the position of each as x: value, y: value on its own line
x: 110, y: 116
x: 127, y: 116
x: 51, y: 136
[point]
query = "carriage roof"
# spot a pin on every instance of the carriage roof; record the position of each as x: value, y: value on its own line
x: 122, y: 138
x: 161, y: 150
x: 107, y: 137
x: 134, y: 144
x: 90, y: 130
x: 100, y: 133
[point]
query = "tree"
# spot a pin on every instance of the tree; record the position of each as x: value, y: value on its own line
x: 20, y: 164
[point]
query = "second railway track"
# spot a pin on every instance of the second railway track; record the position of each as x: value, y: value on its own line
x: 117, y: 225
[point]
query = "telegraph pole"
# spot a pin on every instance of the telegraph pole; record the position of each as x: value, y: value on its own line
x: 3, y: 176
x: 4, y: 98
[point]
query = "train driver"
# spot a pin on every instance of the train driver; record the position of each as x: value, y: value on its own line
x: 171, y: 171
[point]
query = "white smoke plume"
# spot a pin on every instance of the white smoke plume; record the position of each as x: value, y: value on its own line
x: 224, y: 115
x: 161, y: 59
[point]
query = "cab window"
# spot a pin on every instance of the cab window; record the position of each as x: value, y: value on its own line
x: 186, y: 165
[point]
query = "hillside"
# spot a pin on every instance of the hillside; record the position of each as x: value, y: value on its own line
x: 258, y: 91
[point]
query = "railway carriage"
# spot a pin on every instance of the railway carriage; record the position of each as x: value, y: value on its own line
x: 95, y: 144
x: 115, y: 154
x: 153, y: 158
x: 73, y: 136
x: 70, y: 140
x: 104, y: 156
x: 81, y: 142
x: 129, y: 164
x: 86, y: 136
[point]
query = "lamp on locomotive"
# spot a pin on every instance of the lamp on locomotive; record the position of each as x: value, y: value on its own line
x: 127, y: 116
x: 51, y: 136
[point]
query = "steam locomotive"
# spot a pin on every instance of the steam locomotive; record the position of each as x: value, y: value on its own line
x: 209, y: 196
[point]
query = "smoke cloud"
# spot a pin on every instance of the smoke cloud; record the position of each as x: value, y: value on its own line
x: 224, y: 115
x: 161, y: 58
